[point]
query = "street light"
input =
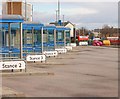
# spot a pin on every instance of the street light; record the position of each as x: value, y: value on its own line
x: 56, y: 15
x: 63, y: 19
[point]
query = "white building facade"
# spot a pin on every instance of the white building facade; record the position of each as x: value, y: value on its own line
x: 23, y: 9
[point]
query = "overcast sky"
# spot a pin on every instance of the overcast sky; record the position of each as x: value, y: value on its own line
x: 92, y: 14
x: 83, y: 14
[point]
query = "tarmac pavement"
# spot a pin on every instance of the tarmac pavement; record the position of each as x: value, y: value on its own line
x: 87, y: 71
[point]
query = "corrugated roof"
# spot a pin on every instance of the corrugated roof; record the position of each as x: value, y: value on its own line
x: 30, y: 25
x: 49, y: 27
x: 34, y: 23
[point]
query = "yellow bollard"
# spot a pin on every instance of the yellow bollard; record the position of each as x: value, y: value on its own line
x: 106, y: 42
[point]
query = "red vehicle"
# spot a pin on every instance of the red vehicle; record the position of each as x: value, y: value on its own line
x: 83, y: 38
x: 114, y: 40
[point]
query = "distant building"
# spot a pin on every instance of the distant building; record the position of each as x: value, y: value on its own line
x: 67, y: 24
x: 17, y: 8
x: 96, y: 34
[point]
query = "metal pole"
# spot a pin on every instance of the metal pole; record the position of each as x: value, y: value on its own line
x: 63, y: 20
x: 58, y: 10
x: 75, y: 34
x: 9, y: 33
x: 42, y: 40
x: 1, y: 41
x: 23, y: 38
x: 47, y: 39
x: 21, y: 42
x: 69, y: 38
x: 54, y: 38
x: 4, y: 38
x: 64, y: 38
x: 32, y: 37
x: 25, y: 32
x: 56, y: 16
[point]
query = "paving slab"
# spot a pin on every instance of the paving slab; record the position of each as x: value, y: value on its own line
x: 30, y: 71
x: 8, y: 92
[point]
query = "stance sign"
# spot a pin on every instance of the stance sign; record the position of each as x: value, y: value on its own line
x: 83, y: 43
x: 61, y: 50
x: 12, y: 65
x: 36, y: 58
x: 69, y: 48
x: 73, y: 44
x: 50, y: 53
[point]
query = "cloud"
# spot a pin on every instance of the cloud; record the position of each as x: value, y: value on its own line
x: 80, y: 11
x: 90, y: 15
x: 43, y: 17
x: 94, y: 12
x: 94, y: 25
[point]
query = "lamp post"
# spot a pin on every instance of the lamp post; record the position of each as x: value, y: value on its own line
x: 63, y: 19
x: 56, y: 15
x: 58, y: 10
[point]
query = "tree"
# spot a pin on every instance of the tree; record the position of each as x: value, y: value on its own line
x: 106, y: 31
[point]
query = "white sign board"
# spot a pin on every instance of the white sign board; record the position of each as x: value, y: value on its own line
x: 50, y: 53
x: 12, y: 65
x: 96, y: 39
x: 36, y: 58
x: 83, y: 43
x: 112, y: 38
x: 73, y: 44
x: 83, y: 36
x: 61, y: 50
x: 69, y: 48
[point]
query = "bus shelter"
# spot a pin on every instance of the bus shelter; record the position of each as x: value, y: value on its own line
x: 67, y: 36
x: 62, y: 36
x: 11, y: 36
x: 49, y: 38
x: 32, y: 38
